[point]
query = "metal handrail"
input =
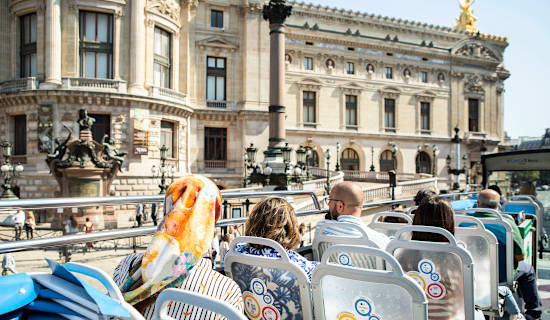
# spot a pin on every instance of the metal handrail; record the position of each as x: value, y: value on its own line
x: 51, y: 203
x: 33, y: 244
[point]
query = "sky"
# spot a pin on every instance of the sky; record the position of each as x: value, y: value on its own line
x: 526, y: 25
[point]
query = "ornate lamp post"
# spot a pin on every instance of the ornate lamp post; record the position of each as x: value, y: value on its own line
x: 327, y: 185
x: 9, y: 172
x: 372, y: 158
x: 456, y: 171
x: 434, y: 166
x: 337, y: 156
x: 163, y: 171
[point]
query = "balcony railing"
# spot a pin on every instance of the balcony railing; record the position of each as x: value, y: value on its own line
x: 215, y: 164
x: 220, y: 104
x: 30, y: 83
x: 169, y: 94
x: 94, y: 84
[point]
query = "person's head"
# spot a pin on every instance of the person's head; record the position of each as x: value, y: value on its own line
x: 274, y: 218
x: 389, y: 219
x: 496, y: 188
x: 434, y: 212
x: 346, y: 198
x: 226, y: 237
x: 29, y: 215
x: 423, y: 194
x: 302, y: 228
x: 528, y: 188
x: 74, y: 223
x: 488, y: 198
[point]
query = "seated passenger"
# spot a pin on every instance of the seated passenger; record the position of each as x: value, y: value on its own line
x: 421, y: 195
x: 174, y: 258
x: 435, y: 212
x: 345, y: 205
x: 524, y: 273
x: 274, y: 218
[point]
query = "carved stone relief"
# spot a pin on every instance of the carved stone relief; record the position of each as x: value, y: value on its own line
x: 45, y: 128
x: 477, y: 50
x: 473, y: 84
x: 169, y: 8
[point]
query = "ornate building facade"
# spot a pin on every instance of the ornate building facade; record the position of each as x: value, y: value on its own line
x: 193, y: 75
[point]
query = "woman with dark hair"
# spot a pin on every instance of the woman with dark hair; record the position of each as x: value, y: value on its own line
x: 433, y: 212
x: 423, y: 194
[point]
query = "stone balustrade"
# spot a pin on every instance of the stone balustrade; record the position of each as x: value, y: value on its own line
x: 169, y: 94
x: 30, y: 83
x: 91, y: 84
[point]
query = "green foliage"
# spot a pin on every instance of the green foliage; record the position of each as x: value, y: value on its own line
x: 522, y: 176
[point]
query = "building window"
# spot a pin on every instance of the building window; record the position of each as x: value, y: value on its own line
x: 19, y: 135
x: 167, y: 138
x: 215, y: 83
x: 308, y: 63
x: 473, y: 115
x: 387, y: 161
x: 351, y: 110
x: 424, y: 116
x: 389, y: 73
x: 216, y: 18
x: 101, y: 126
x: 389, y: 113
x: 96, y: 45
x: 424, y: 76
x: 162, y: 59
x: 423, y: 163
x: 27, y: 50
x: 215, y: 147
x: 309, y: 107
x: 313, y: 159
x: 350, y: 160
x: 350, y: 68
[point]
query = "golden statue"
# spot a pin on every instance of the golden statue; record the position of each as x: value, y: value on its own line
x: 467, y: 20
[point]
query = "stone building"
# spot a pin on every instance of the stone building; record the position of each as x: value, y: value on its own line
x: 192, y: 75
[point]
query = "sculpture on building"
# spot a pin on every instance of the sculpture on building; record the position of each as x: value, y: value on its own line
x: 329, y: 63
x: 370, y: 68
x: 407, y: 73
x: 288, y: 59
x: 467, y: 20
x: 110, y: 151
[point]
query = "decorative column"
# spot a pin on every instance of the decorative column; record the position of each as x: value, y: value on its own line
x: 276, y: 12
x: 116, y: 44
x: 52, y: 50
x: 137, y: 48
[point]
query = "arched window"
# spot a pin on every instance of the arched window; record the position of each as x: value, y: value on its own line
x: 313, y: 160
x: 350, y: 160
x: 387, y: 161
x: 423, y: 163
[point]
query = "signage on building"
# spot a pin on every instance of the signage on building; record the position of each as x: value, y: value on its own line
x: 141, y: 132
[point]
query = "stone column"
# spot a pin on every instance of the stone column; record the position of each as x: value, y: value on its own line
x: 116, y: 45
x: 276, y: 12
x: 137, y: 48
x: 52, y: 50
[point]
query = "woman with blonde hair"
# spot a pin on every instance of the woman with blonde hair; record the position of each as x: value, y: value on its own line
x: 274, y: 218
x: 30, y: 224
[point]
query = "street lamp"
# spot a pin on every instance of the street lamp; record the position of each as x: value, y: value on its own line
x: 372, y: 158
x: 9, y: 172
x: 163, y: 171
x: 327, y: 186
x: 337, y: 156
x: 456, y: 171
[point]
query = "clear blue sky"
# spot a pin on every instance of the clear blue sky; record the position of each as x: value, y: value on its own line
x: 526, y: 25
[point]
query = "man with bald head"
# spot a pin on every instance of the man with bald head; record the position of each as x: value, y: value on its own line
x: 345, y: 205
x: 523, y: 272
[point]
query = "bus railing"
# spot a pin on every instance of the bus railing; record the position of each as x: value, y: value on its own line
x: 66, y: 240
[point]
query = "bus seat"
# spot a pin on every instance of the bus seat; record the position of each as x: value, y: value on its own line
x: 389, y: 228
x: 321, y: 242
x: 410, y: 210
x: 527, y: 205
x: 273, y: 288
x: 483, y: 247
x: 503, y: 232
x: 463, y: 204
x: 343, y: 290
x: 443, y: 269
x: 199, y: 300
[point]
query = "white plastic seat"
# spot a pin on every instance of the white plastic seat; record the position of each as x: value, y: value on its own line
x: 273, y: 288
x: 207, y: 303
x: 499, y: 227
x: 443, y: 269
x: 389, y: 228
x: 358, y: 236
x: 358, y: 293
x: 483, y: 247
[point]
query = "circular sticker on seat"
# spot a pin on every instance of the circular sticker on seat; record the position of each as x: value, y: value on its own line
x: 270, y: 313
x: 344, y: 259
x: 345, y: 316
x: 259, y: 302
x: 363, y: 310
x: 258, y: 286
x: 251, y: 305
x: 428, y: 279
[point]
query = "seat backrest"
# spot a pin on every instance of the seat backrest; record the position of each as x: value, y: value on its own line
x: 503, y: 232
x: 444, y: 270
x: 483, y: 247
x: 273, y: 288
x: 463, y: 204
x: 357, y: 236
x: 411, y: 209
x: 527, y: 205
x: 207, y: 303
x: 346, y: 292
x: 389, y: 228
